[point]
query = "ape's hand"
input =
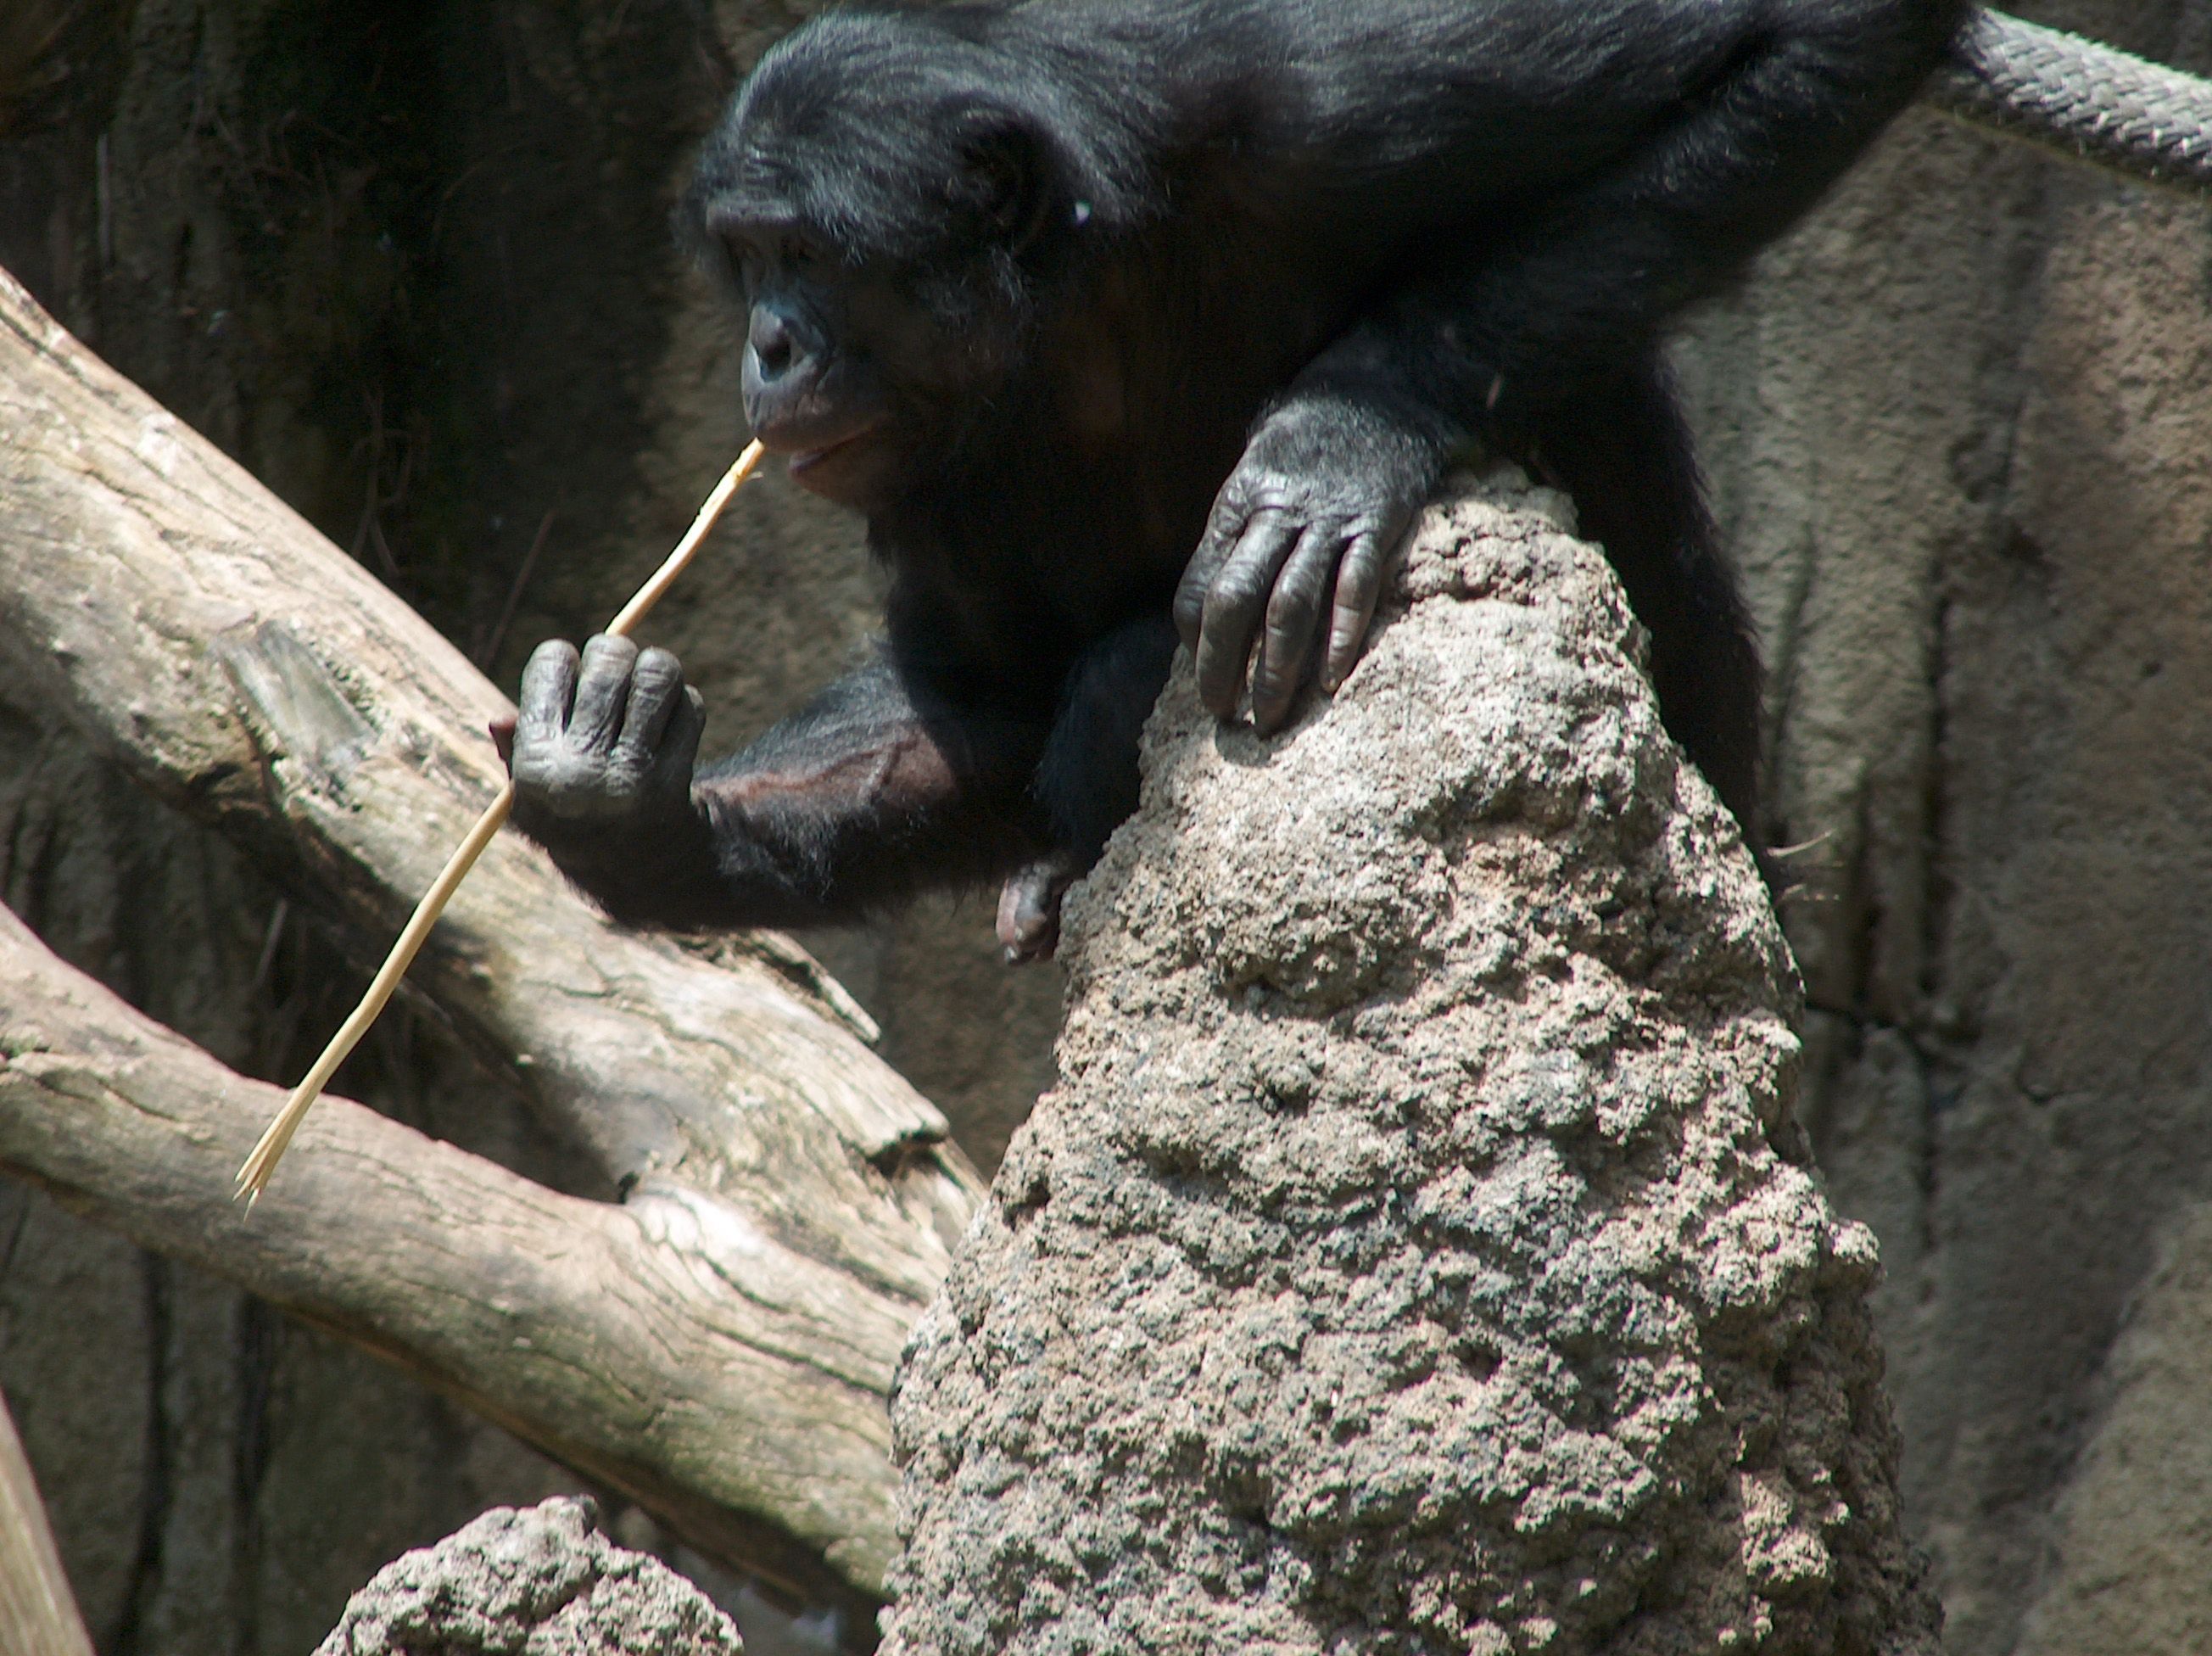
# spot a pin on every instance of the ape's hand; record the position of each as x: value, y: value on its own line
x: 601, y: 742
x: 1305, y: 526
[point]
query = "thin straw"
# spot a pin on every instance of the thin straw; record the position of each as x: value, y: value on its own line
x: 253, y: 1177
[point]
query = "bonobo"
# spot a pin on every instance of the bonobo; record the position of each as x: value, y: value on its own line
x: 1123, y: 321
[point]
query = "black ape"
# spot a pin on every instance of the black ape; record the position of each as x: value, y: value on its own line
x: 1115, y: 313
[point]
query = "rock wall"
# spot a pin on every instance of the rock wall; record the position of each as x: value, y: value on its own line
x: 1957, y: 428
x: 1419, y: 1252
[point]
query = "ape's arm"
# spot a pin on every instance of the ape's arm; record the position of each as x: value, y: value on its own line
x: 1499, y: 332
x: 864, y: 796
x: 1501, y: 328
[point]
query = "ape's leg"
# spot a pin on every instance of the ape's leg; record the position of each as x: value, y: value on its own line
x: 1087, y: 782
x: 873, y: 791
x: 1619, y: 448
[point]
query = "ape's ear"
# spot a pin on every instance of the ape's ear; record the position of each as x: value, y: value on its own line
x: 1005, y: 177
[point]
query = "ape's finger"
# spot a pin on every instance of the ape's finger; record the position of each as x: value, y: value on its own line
x: 602, y: 691
x: 1235, y: 605
x: 549, y: 691
x: 1221, y: 531
x: 1293, y: 615
x: 679, y: 757
x: 656, y: 690
x: 1358, y: 585
x: 503, y: 737
x: 1189, y: 610
x: 1226, y: 519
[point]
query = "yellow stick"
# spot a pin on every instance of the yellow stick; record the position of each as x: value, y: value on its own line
x: 253, y: 1177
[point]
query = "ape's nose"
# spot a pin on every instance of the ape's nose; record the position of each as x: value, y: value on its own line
x: 785, y: 359
x: 774, y: 342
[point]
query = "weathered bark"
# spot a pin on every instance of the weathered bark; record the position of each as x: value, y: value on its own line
x: 1419, y: 1252
x: 239, y: 667
x: 37, y: 1614
x: 724, y: 1380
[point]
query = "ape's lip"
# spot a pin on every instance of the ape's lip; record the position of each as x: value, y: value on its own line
x: 805, y: 460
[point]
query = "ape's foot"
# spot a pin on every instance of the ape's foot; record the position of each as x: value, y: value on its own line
x: 1029, y: 908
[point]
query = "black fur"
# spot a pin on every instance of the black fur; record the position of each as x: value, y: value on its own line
x: 1106, y: 310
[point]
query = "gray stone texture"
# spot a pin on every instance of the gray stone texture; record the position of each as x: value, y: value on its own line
x: 540, y: 1582
x: 1419, y: 1253
x: 1957, y: 427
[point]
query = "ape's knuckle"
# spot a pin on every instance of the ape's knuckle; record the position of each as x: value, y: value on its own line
x: 1256, y: 568
x: 576, y: 791
x: 1235, y: 582
x: 659, y: 671
x: 1276, y: 492
x: 536, y: 752
x: 568, y: 779
x: 1232, y: 610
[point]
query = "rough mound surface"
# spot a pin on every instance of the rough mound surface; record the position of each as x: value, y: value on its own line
x: 1418, y: 1254
x: 540, y: 1582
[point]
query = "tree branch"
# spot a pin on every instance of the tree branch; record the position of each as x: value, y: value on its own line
x: 38, y: 1612
x: 721, y: 1343
x: 727, y: 1381
x: 240, y: 666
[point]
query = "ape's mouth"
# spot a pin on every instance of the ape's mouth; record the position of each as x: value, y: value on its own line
x: 804, y: 461
x: 850, y: 470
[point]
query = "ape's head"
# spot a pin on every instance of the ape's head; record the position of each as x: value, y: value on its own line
x: 889, y: 217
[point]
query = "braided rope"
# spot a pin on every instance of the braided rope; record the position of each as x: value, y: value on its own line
x: 2086, y: 100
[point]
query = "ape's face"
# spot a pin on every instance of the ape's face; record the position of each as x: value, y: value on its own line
x: 877, y: 249
x: 823, y: 342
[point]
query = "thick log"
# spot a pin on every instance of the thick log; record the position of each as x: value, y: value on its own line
x: 783, y: 1183
x: 724, y: 1379
x: 241, y: 668
x: 38, y: 1612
